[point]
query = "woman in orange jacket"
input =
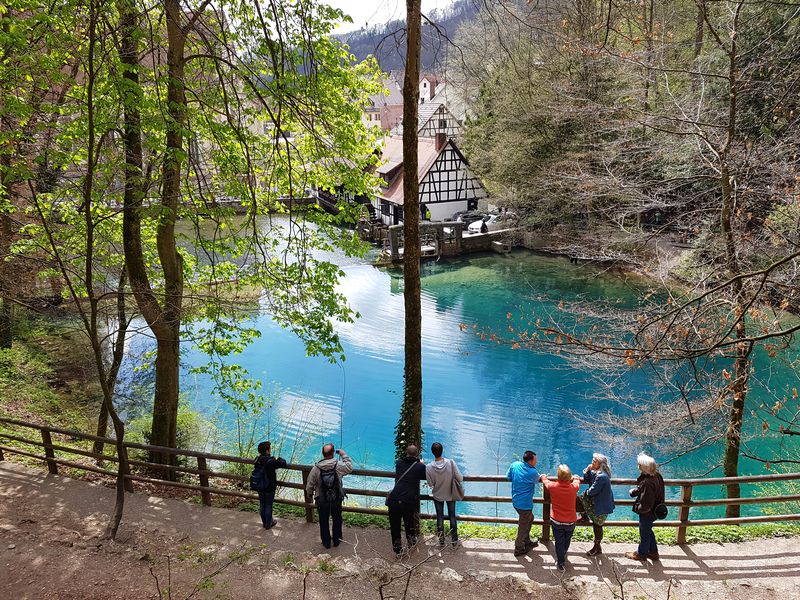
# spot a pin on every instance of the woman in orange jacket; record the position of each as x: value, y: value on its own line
x: 563, y: 493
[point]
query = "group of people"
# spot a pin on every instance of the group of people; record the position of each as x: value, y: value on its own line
x: 594, y: 505
x: 445, y: 480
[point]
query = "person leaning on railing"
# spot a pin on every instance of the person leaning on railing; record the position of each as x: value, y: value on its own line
x: 563, y: 496
x: 649, y: 493
x: 444, y: 477
x: 598, y: 500
x: 403, y: 498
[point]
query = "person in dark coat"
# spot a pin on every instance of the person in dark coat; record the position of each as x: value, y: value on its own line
x: 403, y: 499
x: 649, y: 493
x: 266, y: 498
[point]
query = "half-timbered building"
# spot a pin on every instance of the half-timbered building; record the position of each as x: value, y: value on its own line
x: 446, y: 183
x: 432, y: 119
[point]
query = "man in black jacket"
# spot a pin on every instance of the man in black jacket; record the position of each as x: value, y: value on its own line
x: 266, y: 498
x: 404, y: 497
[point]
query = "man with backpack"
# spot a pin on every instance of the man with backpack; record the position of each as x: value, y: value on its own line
x: 325, y: 485
x: 403, y: 498
x: 264, y: 480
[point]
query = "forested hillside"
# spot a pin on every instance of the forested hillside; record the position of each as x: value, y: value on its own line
x: 611, y: 127
x: 387, y: 42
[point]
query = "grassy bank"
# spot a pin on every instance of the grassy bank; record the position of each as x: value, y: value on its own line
x: 48, y: 374
x: 667, y: 536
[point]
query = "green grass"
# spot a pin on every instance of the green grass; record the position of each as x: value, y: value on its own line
x: 666, y: 536
x: 47, y: 375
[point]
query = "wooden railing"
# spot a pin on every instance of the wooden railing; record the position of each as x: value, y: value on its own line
x: 235, y: 483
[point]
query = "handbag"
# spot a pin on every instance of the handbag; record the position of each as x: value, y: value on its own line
x: 456, y: 487
x: 391, y: 491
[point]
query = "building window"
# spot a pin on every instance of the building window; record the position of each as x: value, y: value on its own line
x: 442, y: 123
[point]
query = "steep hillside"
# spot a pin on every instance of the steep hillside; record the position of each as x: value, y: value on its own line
x: 387, y: 42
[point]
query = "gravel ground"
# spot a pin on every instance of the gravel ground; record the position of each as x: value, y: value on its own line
x: 51, y: 547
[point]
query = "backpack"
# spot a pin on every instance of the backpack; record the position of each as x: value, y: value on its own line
x: 259, y: 481
x: 329, y: 490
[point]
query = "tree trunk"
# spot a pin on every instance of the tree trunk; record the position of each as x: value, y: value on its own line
x: 699, y: 31
x: 162, y: 318
x: 741, y: 367
x: 165, y: 402
x: 409, y: 429
x: 742, y: 361
x: 6, y: 323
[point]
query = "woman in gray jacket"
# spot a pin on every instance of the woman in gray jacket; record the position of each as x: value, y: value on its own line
x: 440, y: 474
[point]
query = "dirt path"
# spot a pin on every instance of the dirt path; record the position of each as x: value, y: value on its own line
x: 50, y: 548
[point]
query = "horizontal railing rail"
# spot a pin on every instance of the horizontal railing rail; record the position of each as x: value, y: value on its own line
x: 234, y: 481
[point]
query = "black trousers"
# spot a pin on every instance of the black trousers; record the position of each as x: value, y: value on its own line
x: 328, y: 511
x: 400, y: 511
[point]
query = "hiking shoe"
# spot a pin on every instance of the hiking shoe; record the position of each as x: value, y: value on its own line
x: 653, y: 556
x: 595, y: 550
x: 634, y: 556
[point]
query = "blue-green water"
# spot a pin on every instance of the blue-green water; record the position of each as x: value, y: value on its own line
x: 485, y: 401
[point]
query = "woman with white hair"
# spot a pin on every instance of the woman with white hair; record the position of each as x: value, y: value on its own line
x: 649, y: 494
x: 598, y: 500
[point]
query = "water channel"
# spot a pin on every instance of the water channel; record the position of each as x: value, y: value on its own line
x: 486, y: 402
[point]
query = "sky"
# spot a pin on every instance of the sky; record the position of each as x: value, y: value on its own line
x: 376, y: 12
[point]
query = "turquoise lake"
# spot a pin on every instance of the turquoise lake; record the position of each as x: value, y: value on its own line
x: 486, y: 402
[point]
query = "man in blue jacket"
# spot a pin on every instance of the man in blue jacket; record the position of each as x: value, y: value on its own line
x: 523, y: 477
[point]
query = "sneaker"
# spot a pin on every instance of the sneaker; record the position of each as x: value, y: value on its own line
x: 634, y: 556
x: 653, y: 556
x: 532, y: 544
x: 560, y: 566
x: 521, y: 552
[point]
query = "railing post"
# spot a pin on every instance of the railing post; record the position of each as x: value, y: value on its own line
x: 546, y: 515
x: 683, y: 515
x: 203, y: 468
x: 52, y: 466
x: 1, y: 455
x: 309, y: 510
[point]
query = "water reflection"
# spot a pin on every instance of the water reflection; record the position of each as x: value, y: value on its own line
x: 486, y: 402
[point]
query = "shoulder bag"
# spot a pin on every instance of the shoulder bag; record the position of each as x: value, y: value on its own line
x: 391, y: 491
x: 456, y: 487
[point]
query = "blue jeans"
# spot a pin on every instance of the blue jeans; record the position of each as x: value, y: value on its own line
x: 647, y: 539
x: 451, y: 512
x: 265, y: 501
x: 562, y: 535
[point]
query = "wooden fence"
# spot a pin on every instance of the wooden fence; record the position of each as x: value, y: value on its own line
x: 235, y: 484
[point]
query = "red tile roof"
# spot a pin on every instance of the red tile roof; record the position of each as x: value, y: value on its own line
x: 393, y: 154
